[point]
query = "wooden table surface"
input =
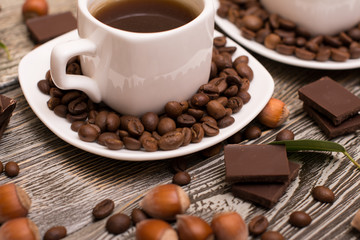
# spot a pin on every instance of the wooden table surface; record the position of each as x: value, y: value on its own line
x: 65, y: 182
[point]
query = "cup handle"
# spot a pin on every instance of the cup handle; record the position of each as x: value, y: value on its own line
x: 60, y: 55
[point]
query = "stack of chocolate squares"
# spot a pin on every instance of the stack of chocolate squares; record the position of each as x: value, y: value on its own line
x: 7, y: 106
x: 333, y: 107
x: 259, y: 174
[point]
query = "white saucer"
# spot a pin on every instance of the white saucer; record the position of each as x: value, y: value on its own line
x: 35, y: 64
x: 235, y: 33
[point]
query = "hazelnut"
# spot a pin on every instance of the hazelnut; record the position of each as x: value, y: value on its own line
x: 355, y: 223
x: 34, y: 8
x: 14, y: 202
x: 165, y: 201
x: 155, y: 229
x: 229, y: 226
x: 19, y: 229
x: 192, y: 227
x: 274, y: 113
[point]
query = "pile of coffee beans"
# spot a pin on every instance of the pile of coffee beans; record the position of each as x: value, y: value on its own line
x: 285, y: 37
x: 182, y: 123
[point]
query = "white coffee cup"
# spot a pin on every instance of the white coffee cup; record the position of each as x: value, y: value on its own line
x: 319, y: 17
x: 135, y: 73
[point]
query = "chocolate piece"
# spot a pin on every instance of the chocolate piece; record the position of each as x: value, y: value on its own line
x: 266, y: 195
x: 256, y: 163
x: 331, y: 99
x: 45, y: 28
x: 348, y: 126
x: 7, y: 106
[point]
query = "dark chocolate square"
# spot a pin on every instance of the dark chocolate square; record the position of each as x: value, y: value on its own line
x: 331, y: 99
x: 7, y: 106
x: 348, y: 126
x: 47, y: 27
x: 266, y: 195
x: 256, y: 163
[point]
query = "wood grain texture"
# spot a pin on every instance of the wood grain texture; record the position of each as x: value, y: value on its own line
x: 65, y: 183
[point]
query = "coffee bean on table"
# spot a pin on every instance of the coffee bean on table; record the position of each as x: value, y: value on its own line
x: 258, y: 225
x: 213, y: 150
x: 118, y: 223
x: 285, y: 134
x: 12, y: 169
x: 103, y: 209
x: 137, y: 215
x: 323, y: 194
x: 55, y: 233
x: 181, y: 178
x: 272, y: 235
x: 1, y: 167
x: 252, y: 132
x: 299, y: 219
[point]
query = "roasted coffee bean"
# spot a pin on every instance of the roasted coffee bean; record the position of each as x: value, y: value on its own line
x: 212, y: 151
x: 114, y: 144
x: 323, y: 54
x: 210, y: 129
x: 70, y: 96
x: 1, y: 167
x: 187, y: 136
x: 285, y: 134
x: 199, y: 99
x: 12, y: 169
x: 173, y: 109
x: 223, y: 100
x: 181, y: 178
x: 247, y: 33
x: 150, y: 144
x: 185, y: 120
x: 345, y: 39
x: 323, y: 194
x: 299, y: 219
x: 231, y: 91
x: 124, y: 120
x: 131, y: 143
x: 300, y: 42
x: 354, y: 33
x: 137, y: 215
x: 219, y: 41
x: 53, y: 102
x: 284, y: 34
x: 235, y: 104
x: 112, y: 122
x: 89, y: 132
x: 196, y: 113
x: 304, y: 54
x: 77, y: 106
x: 289, y: 40
x: 171, y: 140
x: 80, y: 117
x: 135, y: 127
x: 208, y: 119
x: 244, y: 95
x: 354, y: 50
x: 221, y: 62
x: 220, y: 83
x: 106, y: 135
x: 209, y: 88
x: 285, y: 49
x: 235, y: 138
x: 75, y: 126
x: 234, y: 79
x: 332, y: 41
x: 272, y: 40
x: 145, y: 134
x: 258, y: 225
x: 262, y: 34
x: 55, y: 233
x: 49, y: 79
x: 272, y: 235
x: 55, y: 92
x: 253, y: 22
x: 179, y: 164
x: 197, y: 133
x: 150, y: 121
x: 103, y: 209
x: 213, y: 70
x: 252, y: 132
x: 166, y: 125
x: 100, y: 120
x: 215, y: 109
x: 118, y: 223
x: 44, y: 86
x: 73, y: 68
x: 61, y: 110
x: 225, y: 121
x: 286, y: 24
x: 339, y: 56
x: 241, y: 59
x: 229, y: 71
x: 245, y: 71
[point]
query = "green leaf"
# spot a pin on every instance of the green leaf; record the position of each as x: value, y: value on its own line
x: 3, y: 46
x: 314, y: 145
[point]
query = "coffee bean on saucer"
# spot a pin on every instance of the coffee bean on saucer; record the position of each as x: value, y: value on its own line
x: 75, y: 126
x: 55, y: 233
x: 323, y: 194
x: 150, y: 144
x: 272, y: 235
x: 258, y: 225
x: 12, y: 169
x: 103, y: 209
x: 173, y: 109
x: 225, y: 121
x: 284, y: 134
x: 105, y: 136
x: 166, y: 125
x: 171, y: 140
x: 61, y: 110
x: 114, y: 144
x: 132, y: 143
x: 44, y: 86
x: 197, y: 133
x: 181, y: 178
x: 150, y: 121
x: 118, y: 223
x: 89, y: 132
x: 299, y: 219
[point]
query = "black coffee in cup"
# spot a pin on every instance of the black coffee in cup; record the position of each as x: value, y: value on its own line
x: 145, y: 15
